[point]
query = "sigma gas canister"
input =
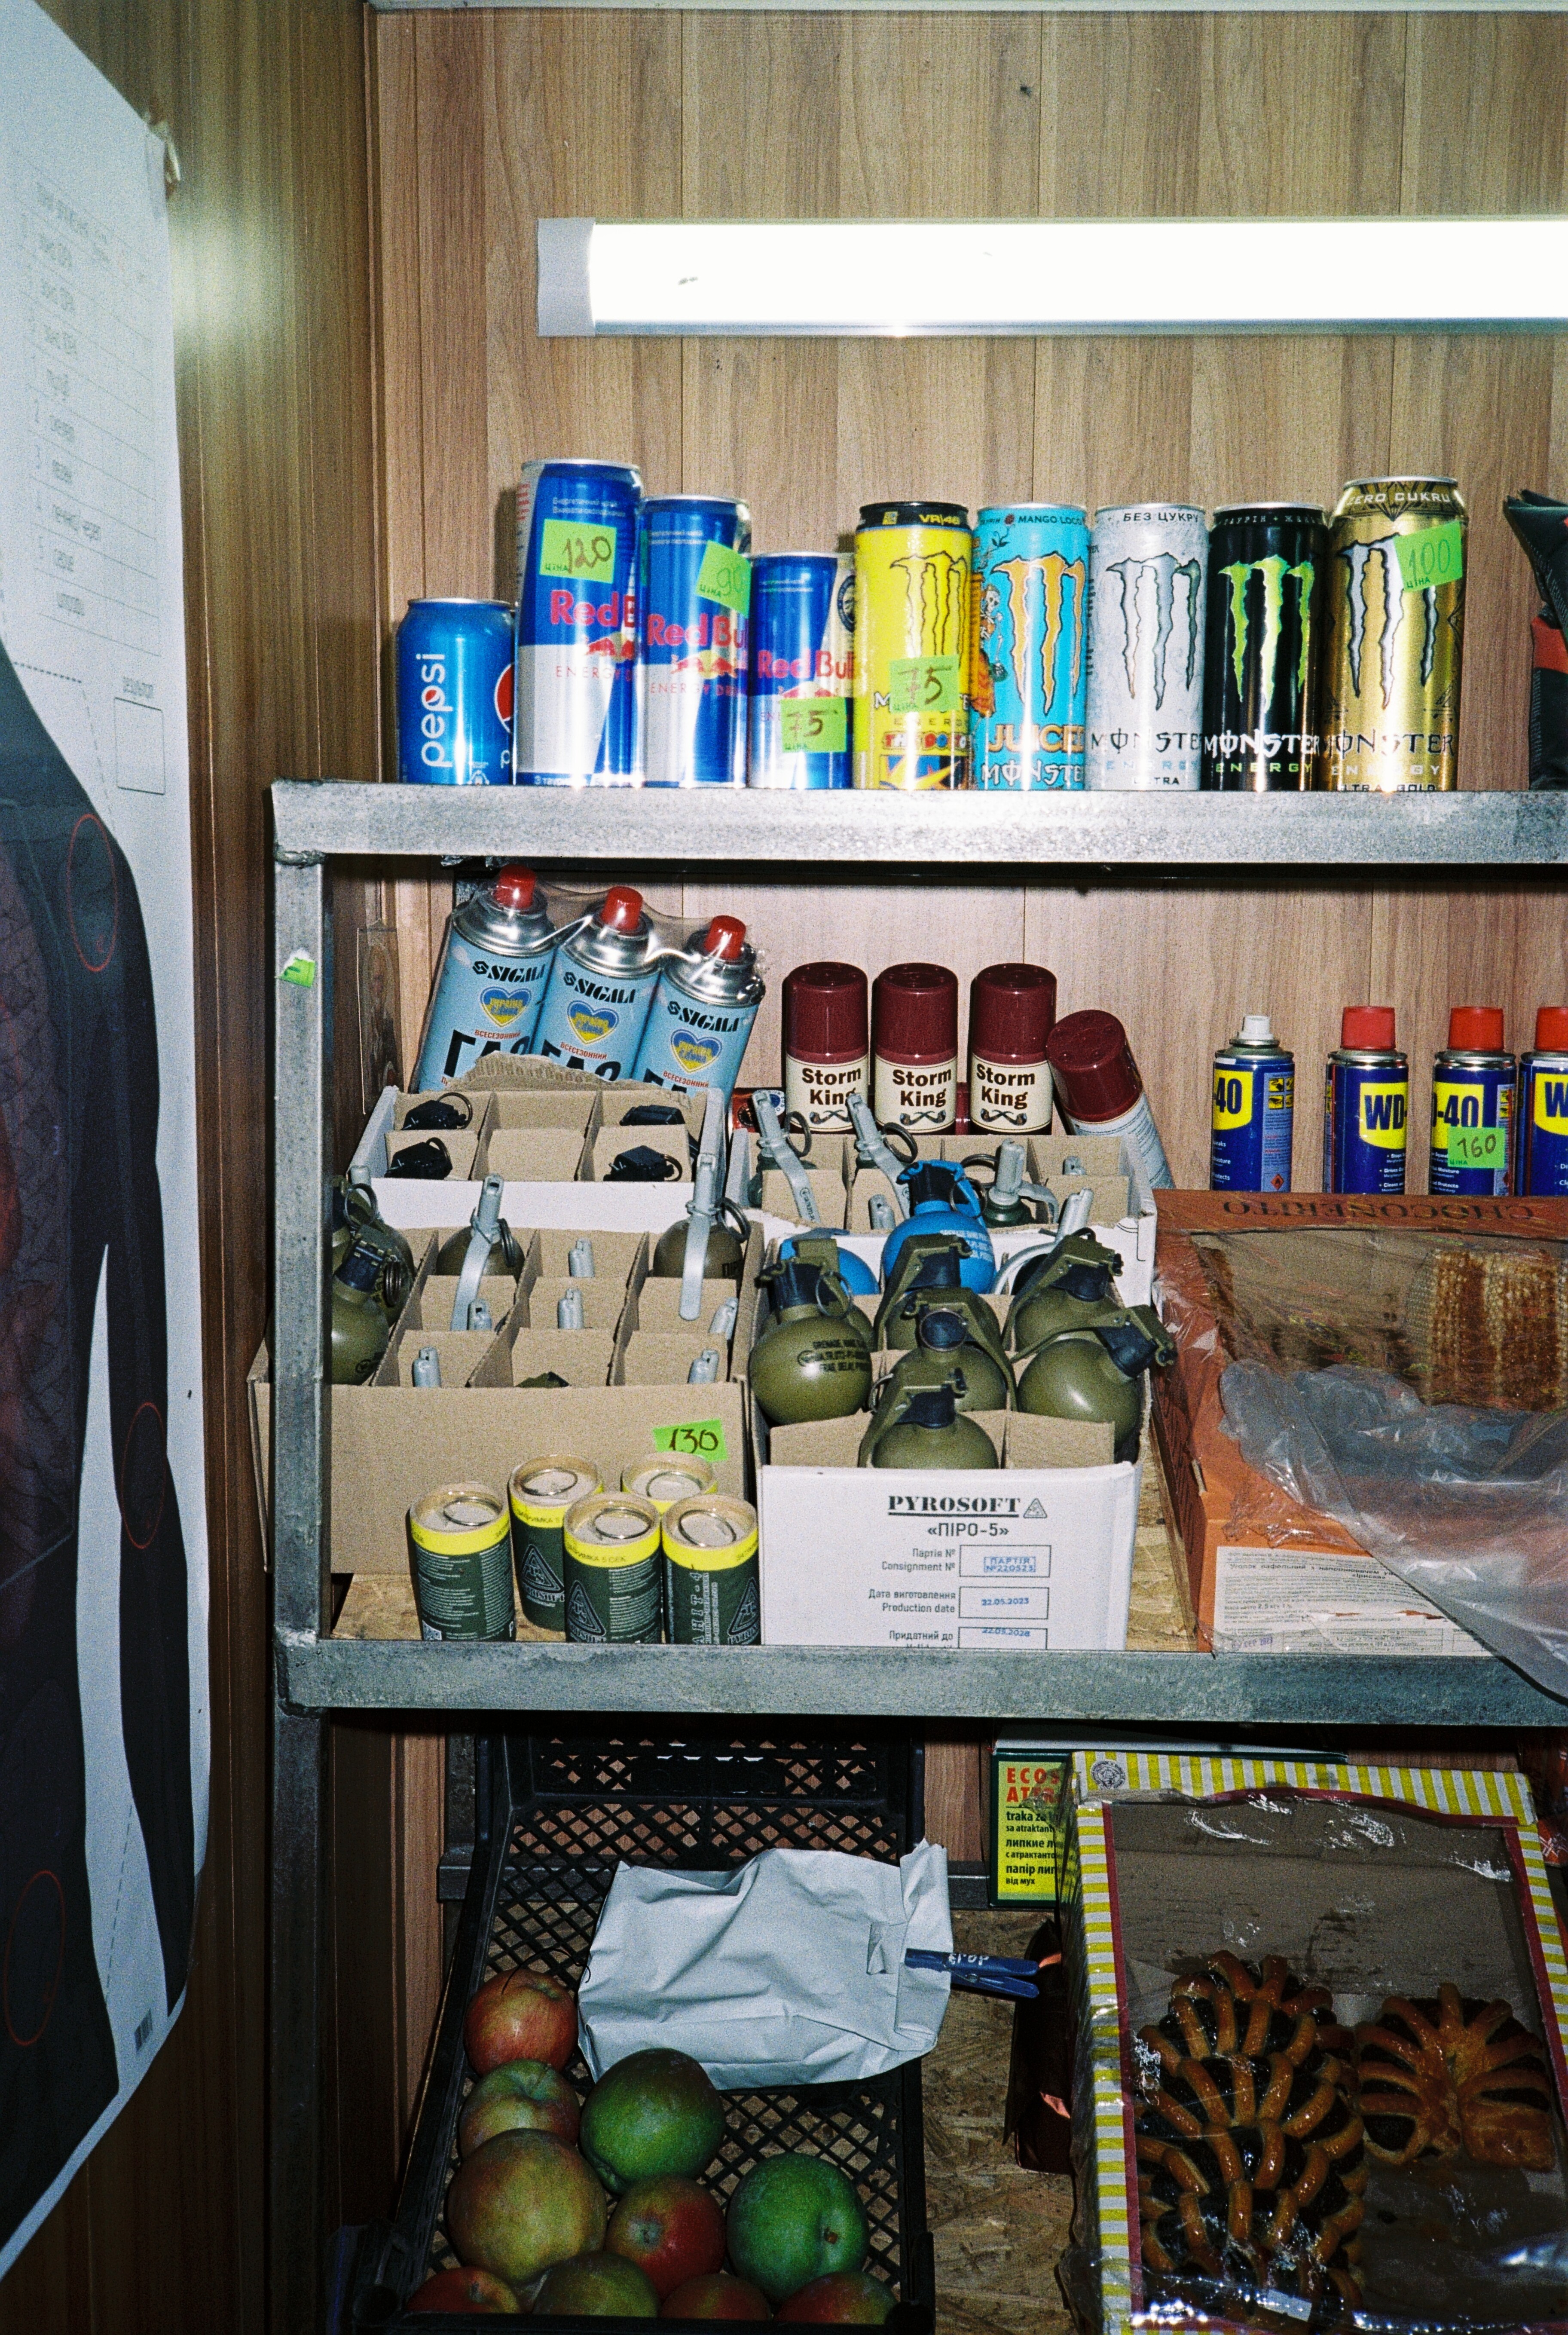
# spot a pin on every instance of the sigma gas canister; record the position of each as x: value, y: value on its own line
x: 700, y: 1019
x: 601, y: 986
x: 1473, y: 1086
x: 666, y: 1476
x: 803, y: 670
x: 1251, y: 1124
x: 540, y: 1493
x: 614, y: 1570
x: 1543, y: 1113
x: 1028, y: 669
x: 712, y: 1597
x: 460, y: 1553
x: 454, y: 694
x: 695, y: 597
x: 911, y: 581
x: 1366, y: 1105
x: 576, y: 721
x: 488, y: 990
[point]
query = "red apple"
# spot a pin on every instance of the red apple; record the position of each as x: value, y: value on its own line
x: 520, y: 2096
x: 473, y: 2291
x: 844, y: 2298
x: 597, y: 2286
x: 523, y: 2014
x: 718, y: 2296
x: 522, y: 2202
x: 669, y: 2227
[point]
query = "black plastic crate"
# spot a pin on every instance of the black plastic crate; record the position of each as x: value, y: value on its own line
x: 555, y: 1814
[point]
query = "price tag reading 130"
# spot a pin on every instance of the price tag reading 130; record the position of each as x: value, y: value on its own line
x: 813, y: 725
x: 573, y: 548
x: 923, y: 684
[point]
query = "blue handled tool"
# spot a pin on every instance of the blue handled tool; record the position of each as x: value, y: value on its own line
x: 980, y: 1973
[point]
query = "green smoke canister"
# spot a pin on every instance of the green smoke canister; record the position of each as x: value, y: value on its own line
x: 614, y: 1570
x: 712, y: 1595
x: 539, y: 1494
x: 460, y: 1554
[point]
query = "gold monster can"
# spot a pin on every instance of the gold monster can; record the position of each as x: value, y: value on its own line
x: 912, y: 583
x: 1395, y: 609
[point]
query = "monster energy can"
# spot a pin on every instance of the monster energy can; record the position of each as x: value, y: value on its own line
x: 461, y: 1558
x: 613, y: 1569
x: 1027, y: 608
x: 1394, y: 634
x: 912, y: 646
x: 712, y: 1594
x: 1260, y: 662
x: 540, y: 1493
x: 667, y: 1476
x: 1146, y: 647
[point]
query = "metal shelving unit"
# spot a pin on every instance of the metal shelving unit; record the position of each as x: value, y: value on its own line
x: 790, y: 835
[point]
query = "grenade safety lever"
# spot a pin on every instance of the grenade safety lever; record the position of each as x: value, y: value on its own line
x: 484, y: 1222
x: 707, y: 1181
x: 873, y: 1149
x: 767, y: 1102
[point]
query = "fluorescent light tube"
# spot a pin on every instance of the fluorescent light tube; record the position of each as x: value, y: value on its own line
x: 924, y: 276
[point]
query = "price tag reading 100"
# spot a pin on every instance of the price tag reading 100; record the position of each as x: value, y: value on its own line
x: 923, y: 684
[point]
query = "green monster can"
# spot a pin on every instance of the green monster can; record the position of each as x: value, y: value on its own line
x: 666, y: 1476
x: 460, y: 1553
x: 614, y: 1571
x: 712, y: 1594
x: 540, y: 1493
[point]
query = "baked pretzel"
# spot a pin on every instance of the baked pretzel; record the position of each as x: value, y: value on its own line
x: 1435, y: 2077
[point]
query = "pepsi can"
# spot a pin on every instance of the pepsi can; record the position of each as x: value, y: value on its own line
x: 1027, y: 674
x: 576, y: 690
x: 602, y: 984
x: 454, y: 693
x: 1542, y: 1153
x: 693, y: 596
x: 803, y: 670
x: 1253, y: 1122
x: 1473, y: 1084
x: 1366, y: 1105
x: 702, y: 1012
x: 490, y: 982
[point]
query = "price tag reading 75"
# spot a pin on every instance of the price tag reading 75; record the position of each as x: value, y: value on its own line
x: 923, y: 684
x: 813, y: 725
x: 584, y: 553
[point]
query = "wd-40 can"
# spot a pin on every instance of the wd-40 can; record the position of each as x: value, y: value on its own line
x: 702, y: 1012
x: 1394, y: 635
x: 1473, y: 1086
x: 1254, y: 1111
x: 454, y: 688
x: 460, y: 1554
x: 1543, y: 1114
x: 577, y: 692
x: 495, y: 964
x: 1261, y: 647
x: 1366, y: 1105
x: 694, y: 595
x: 803, y: 670
x: 602, y: 984
x: 912, y: 581
x: 539, y: 1494
x: 1146, y: 647
x: 712, y: 1591
x: 614, y: 1569
x: 1028, y: 671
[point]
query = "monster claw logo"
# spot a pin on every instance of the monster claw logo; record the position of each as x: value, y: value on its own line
x: 1357, y: 559
x: 1018, y: 575
x: 1156, y: 574
x: 1272, y: 573
x: 935, y: 586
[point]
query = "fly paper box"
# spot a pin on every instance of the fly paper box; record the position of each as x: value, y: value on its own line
x: 1317, y: 2063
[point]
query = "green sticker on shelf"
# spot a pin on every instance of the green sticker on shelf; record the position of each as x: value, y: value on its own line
x: 923, y: 684
x: 1478, y: 1147
x: 300, y: 970
x: 700, y: 1438
x: 1433, y: 556
x: 575, y: 547
x: 725, y: 575
x: 814, y: 725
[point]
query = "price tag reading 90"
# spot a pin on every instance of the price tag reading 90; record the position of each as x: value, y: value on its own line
x: 584, y: 553
x: 923, y: 684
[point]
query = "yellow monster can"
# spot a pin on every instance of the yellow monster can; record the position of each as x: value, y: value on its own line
x: 912, y: 644
x: 1395, y: 609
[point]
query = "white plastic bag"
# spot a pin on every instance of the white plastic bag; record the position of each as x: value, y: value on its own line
x: 788, y: 1969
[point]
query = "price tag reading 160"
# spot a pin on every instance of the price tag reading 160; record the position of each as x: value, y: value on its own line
x: 923, y: 684
x: 1478, y: 1147
x: 584, y: 553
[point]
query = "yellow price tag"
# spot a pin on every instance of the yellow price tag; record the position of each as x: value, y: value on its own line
x: 725, y: 575
x: 814, y: 725
x: 573, y: 547
x: 923, y: 685
x: 702, y: 1438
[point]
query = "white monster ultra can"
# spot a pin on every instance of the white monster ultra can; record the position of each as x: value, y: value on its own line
x: 1146, y: 569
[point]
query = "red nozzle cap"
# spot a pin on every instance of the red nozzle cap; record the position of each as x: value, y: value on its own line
x: 1368, y: 1028
x: 1476, y: 1028
x: 725, y: 937
x: 1012, y: 1013
x: 1092, y: 1067
x: 514, y: 887
x: 915, y: 1013
x: 826, y: 1013
x: 623, y: 908
x: 1551, y: 1029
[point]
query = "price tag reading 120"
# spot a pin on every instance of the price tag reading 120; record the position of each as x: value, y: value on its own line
x: 1478, y: 1147
x: 573, y: 547
x: 923, y: 684
x: 813, y: 725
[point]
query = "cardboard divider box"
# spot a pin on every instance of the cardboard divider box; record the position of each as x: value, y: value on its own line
x: 616, y: 1254
x: 608, y: 1143
x: 603, y: 1302
x: 458, y: 1353
x: 618, y: 1098
x: 582, y: 1357
x: 826, y: 1185
x: 533, y: 1155
x: 651, y: 1358
x: 656, y: 1306
x: 567, y: 1110
x: 461, y: 1145
x: 430, y: 1306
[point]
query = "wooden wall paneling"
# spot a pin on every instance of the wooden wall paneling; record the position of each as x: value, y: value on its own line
x: 954, y: 1793
x: 450, y: 193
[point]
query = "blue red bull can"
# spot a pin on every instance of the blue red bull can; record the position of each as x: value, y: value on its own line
x: 1028, y: 675
x: 1542, y: 1149
x: 576, y: 686
x: 803, y: 670
x: 1366, y: 1105
x: 694, y: 595
x: 454, y: 691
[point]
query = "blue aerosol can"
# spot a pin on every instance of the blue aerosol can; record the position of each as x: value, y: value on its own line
x: 702, y: 1012
x: 1366, y: 1105
x: 1543, y: 1115
x: 1252, y: 1125
x: 601, y: 988
x: 490, y: 982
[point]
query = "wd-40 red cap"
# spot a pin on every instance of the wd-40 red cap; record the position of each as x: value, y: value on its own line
x: 1092, y: 1066
x: 826, y: 1013
x: 1476, y: 1028
x: 514, y: 886
x: 1012, y: 1013
x: 623, y: 908
x: 1369, y: 1029
x: 725, y: 937
x: 1551, y: 1029
x: 915, y: 1013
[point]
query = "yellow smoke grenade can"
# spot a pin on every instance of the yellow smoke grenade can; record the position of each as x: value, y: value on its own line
x: 712, y: 1591
x: 460, y: 1557
x: 614, y: 1570
x: 912, y: 646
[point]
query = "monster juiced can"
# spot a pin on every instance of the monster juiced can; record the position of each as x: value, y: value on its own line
x: 912, y: 578
x: 803, y: 670
x: 575, y: 714
x: 1146, y: 647
x: 1260, y: 648
x: 711, y: 1592
x: 1394, y: 636
x: 694, y: 592
x: 1027, y: 671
